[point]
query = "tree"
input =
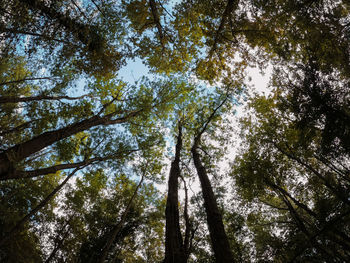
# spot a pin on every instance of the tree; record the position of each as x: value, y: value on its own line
x: 64, y: 108
x: 174, y: 243
x: 274, y: 171
x: 57, y: 27
x: 91, y: 225
x: 219, y: 240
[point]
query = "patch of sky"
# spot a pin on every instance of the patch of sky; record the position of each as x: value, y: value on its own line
x: 133, y: 71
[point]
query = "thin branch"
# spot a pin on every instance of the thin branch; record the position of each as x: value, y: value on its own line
x: 115, y: 231
x: 212, y: 115
x: 42, y: 204
x: 65, y: 166
x: 18, y: 128
x: 81, y: 11
x: 22, y: 80
x: 98, y: 8
x: 161, y: 5
x: 22, y: 32
x: 338, y: 192
x: 271, y: 205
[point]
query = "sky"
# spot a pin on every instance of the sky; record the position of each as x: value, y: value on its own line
x: 133, y: 71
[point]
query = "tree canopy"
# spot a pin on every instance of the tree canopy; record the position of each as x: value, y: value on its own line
x: 95, y: 168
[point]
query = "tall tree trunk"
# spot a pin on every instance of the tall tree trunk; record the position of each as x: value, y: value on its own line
x: 188, y: 224
x: 217, y: 232
x: 174, y: 249
x: 219, y: 240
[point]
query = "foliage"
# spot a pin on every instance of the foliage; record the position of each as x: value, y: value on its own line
x: 64, y: 108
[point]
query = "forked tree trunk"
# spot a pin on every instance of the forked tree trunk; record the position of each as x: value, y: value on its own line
x: 174, y: 248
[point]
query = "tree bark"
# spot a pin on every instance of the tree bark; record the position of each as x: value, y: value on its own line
x: 188, y: 225
x: 174, y: 250
x: 20, y: 151
x: 219, y: 240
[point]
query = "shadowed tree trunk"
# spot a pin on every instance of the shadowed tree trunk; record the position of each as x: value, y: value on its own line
x: 189, y: 231
x: 219, y: 240
x: 217, y: 232
x: 174, y: 248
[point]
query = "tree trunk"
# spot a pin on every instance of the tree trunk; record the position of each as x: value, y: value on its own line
x: 174, y: 249
x: 188, y: 225
x: 86, y: 34
x: 219, y: 240
x: 20, y: 151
